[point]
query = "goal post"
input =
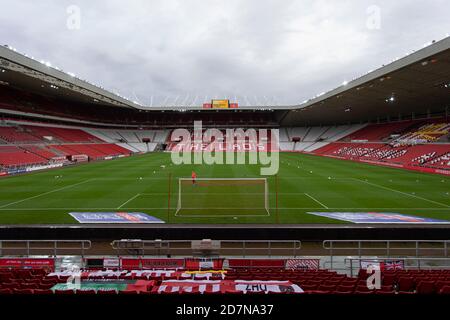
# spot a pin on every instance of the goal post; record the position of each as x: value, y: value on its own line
x: 223, y: 197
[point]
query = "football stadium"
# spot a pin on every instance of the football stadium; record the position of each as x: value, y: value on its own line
x: 346, y: 193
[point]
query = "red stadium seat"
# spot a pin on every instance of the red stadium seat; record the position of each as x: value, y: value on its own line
x: 43, y: 292
x: 426, y: 287
x: 6, y: 291
x: 405, y: 284
x: 128, y: 292
x: 85, y: 292
x: 106, y: 292
x: 445, y: 290
x: 388, y: 279
x: 23, y: 291
x: 65, y: 292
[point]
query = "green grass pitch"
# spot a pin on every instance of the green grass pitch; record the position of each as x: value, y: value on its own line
x: 140, y: 184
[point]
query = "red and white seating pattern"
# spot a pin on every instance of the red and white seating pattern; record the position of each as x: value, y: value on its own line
x: 442, y: 162
x: 25, y: 145
x: 38, y: 281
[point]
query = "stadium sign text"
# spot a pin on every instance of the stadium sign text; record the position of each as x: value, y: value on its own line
x: 229, y: 146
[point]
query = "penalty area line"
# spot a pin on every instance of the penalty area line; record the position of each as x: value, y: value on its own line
x: 129, y: 200
x: 311, y: 197
x: 45, y: 193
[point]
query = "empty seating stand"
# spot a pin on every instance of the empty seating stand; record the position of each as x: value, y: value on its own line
x: 310, y: 281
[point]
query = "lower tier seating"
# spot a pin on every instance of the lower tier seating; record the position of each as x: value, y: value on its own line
x: 37, y: 281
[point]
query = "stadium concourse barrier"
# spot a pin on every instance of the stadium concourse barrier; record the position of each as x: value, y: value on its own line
x: 208, y: 247
x: 416, y: 249
x: 44, y: 247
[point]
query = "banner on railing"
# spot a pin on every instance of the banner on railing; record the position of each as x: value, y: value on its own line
x: 385, y: 265
x: 202, y: 264
x: 127, y: 263
x: 256, y: 263
x: 302, y: 264
x: 27, y: 263
x: 107, y: 285
x: 227, y: 286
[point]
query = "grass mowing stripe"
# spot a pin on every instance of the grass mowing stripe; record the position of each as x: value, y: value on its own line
x: 45, y: 193
x: 114, y: 182
x: 404, y: 193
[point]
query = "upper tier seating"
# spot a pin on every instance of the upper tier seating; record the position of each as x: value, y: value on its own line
x: 378, y: 132
x: 62, y: 135
x: 16, y: 135
x: 429, y: 132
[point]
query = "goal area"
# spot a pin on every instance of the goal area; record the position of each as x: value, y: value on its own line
x: 234, y: 197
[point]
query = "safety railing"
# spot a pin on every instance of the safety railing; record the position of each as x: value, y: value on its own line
x: 386, y: 248
x: 201, y: 248
x: 353, y: 265
x: 44, y: 247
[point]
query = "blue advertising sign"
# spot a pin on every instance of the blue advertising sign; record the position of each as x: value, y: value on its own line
x: 114, y: 217
x: 376, y: 217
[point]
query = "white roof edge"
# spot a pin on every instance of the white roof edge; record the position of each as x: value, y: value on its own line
x: 18, y: 58
x: 416, y: 56
x: 432, y: 49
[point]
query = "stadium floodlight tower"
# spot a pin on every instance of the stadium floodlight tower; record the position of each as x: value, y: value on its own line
x: 221, y: 197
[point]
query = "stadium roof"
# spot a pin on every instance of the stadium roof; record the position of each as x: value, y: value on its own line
x: 24, y: 72
x: 418, y: 83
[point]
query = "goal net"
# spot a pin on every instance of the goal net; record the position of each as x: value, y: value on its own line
x: 222, y: 197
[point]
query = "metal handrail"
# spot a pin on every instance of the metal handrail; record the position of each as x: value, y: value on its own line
x: 419, y: 263
x: 53, y: 246
x: 330, y: 246
x: 390, y: 246
x: 169, y: 247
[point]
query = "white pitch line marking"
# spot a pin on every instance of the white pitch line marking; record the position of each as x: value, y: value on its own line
x: 280, y: 208
x: 221, y: 194
x: 311, y: 197
x: 45, y: 193
x: 129, y: 200
x: 401, y: 192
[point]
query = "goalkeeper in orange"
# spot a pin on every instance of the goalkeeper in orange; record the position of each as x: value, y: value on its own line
x: 194, y: 177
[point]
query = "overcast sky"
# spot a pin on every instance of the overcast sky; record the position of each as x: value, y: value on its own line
x: 189, y: 51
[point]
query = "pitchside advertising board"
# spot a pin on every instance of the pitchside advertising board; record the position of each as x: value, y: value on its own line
x: 377, y: 217
x: 114, y: 217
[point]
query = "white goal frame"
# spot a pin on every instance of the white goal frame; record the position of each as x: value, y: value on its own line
x: 266, y: 190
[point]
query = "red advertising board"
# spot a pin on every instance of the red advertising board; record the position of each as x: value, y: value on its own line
x: 27, y: 263
x: 151, y: 263
x: 260, y: 263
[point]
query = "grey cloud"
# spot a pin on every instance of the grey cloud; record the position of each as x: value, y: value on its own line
x: 289, y: 49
